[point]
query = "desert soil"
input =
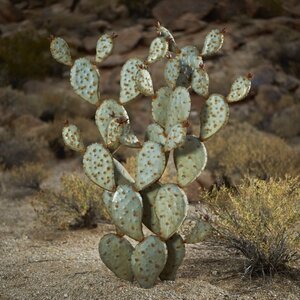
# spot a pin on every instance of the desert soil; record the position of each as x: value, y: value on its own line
x: 39, y: 263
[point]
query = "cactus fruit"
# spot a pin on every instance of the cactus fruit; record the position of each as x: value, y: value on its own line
x: 176, y: 253
x: 148, y: 260
x: 132, y: 202
x: 116, y: 253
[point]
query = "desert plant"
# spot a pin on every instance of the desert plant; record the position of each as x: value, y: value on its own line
x: 260, y: 219
x: 240, y: 149
x: 28, y: 175
x: 78, y: 204
x: 144, y: 199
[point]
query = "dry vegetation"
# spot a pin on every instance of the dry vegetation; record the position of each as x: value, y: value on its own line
x: 261, y: 220
x: 78, y: 204
x: 241, y: 150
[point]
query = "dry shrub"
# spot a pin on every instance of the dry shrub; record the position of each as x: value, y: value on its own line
x: 78, y: 204
x: 29, y: 175
x: 241, y: 150
x: 261, y: 220
x: 17, y: 150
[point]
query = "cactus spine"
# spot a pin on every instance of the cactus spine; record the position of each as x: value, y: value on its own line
x: 132, y: 202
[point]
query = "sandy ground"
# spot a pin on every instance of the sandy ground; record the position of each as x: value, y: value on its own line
x: 37, y: 263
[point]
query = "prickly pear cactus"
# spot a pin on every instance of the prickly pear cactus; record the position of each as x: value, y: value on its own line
x: 144, y: 200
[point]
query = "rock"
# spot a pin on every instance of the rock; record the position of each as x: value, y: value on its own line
x: 206, y: 180
x: 89, y: 43
x: 9, y: 13
x: 267, y: 98
x: 286, y: 122
x: 264, y: 74
x: 128, y: 38
x: 113, y: 61
x: 99, y: 25
x: 167, y: 11
x: 287, y: 82
x: 188, y: 22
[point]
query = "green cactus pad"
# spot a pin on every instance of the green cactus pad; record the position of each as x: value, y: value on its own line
x: 189, y: 56
x: 128, y: 138
x: 107, y: 197
x: 106, y: 112
x: 239, y: 89
x: 148, y: 260
x: 104, y: 47
x: 176, y: 137
x: 121, y: 174
x: 127, y: 211
x: 200, y: 82
x: 172, y: 72
x: 144, y: 82
x: 84, y: 78
x: 198, y: 231
x: 171, y: 208
x: 155, y: 133
x: 99, y: 167
x: 176, y: 253
x: 72, y: 137
x: 150, y: 164
x: 213, y: 42
x: 114, y: 132
x: 129, y: 89
x: 179, y: 107
x: 116, y: 252
x: 214, y: 115
x: 190, y: 160
x: 149, y: 216
x: 60, y: 51
x: 164, y: 32
x: 158, y: 50
x: 160, y: 105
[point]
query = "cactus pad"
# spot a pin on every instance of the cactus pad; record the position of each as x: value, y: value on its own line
x: 127, y: 211
x: 198, y: 230
x: 172, y: 71
x: 239, y: 89
x: 164, y: 32
x: 72, y: 137
x: 108, y: 110
x: 121, y: 174
x: 190, y: 160
x: 158, y: 50
x: 150, y: 164
x: 213, y: 42
x: 114, y: 132
x: 176, y: 253
x: 214, y: 115
x: 176, y: 137
x: 116, y: 253
x: 148, y: 260
x: 129, y: 89
x: 171, y: 208
x: 144, y: 82
x: 60, y: 51
x: 84, y: 79
x: 128, y: 138
x: 107, y: 197
x: 104, y: 47
x: 149, y: 216
x: 160, y: 105
x: 179, y: 107
x: 200, y: 82
x: 155, y: 133
x: 99, y: 167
